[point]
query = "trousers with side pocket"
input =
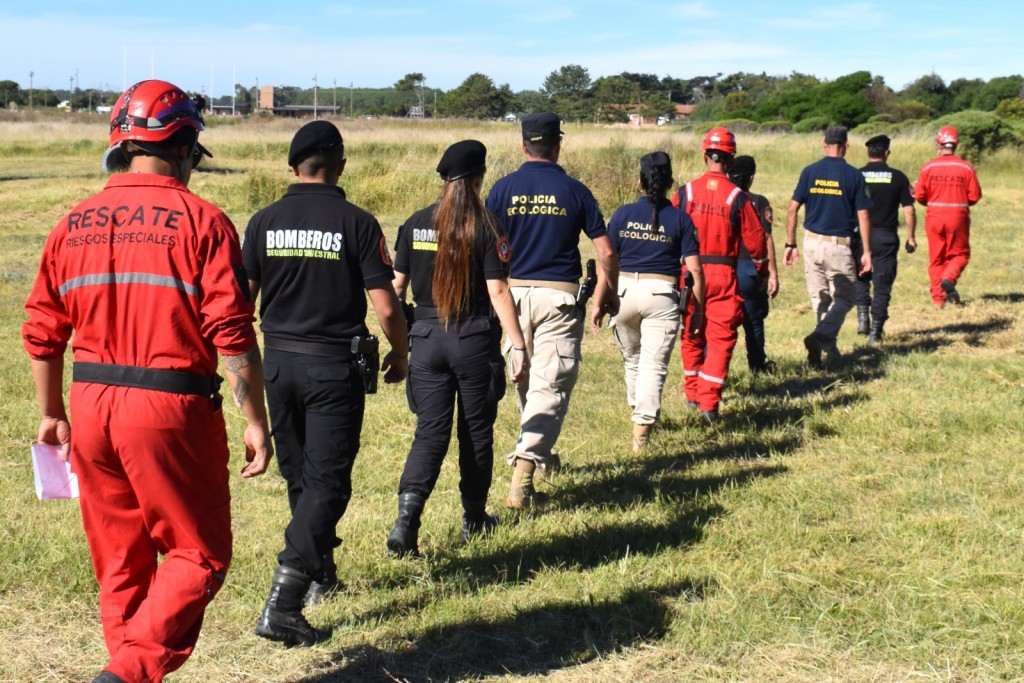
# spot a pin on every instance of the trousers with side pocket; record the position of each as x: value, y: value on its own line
x: 455, y: 367
x: 645, y: 329
x: 316, y: 410
x: 152, y: 469
x: 553, y: 328
x: 706, y: 359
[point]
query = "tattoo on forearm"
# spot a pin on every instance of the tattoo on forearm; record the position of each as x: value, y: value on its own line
x: 235, y: 365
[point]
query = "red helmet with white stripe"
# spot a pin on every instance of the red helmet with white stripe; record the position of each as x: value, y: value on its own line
x: 947, y: 137
x: 719, y: 140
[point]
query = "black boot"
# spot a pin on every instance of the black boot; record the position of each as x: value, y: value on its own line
x: 282, y: 618
x: 863, y: 320
x: 404, y: 536
x: 107, y: 677
x: 475, y: 519
x: 875, y: 338
x: 324, y: 587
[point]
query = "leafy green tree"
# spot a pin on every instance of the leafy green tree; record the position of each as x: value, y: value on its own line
x: 12, y: 93
x: 931, y: 90
x: 478, y: 98
x: 568, y: 88
x: 656, y: 104
x: 962, y: 92
x: 1011, y: 109
x: 529, y: 101
x: 738, y: 101
x: 413, y: 83
x: 996, y: 90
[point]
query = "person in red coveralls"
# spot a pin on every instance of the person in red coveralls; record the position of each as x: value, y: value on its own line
x: 724, y: 216
x: 948, y: 186
x: 149, y: 278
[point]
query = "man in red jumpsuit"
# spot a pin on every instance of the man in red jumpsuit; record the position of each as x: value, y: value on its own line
x: 948, y: 186
x: 149, y: 277
x: 724, y: 216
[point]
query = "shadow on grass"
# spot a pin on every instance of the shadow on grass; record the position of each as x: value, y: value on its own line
x: 520, y: 645
x: 932, y: 339
x: 1011, y: 298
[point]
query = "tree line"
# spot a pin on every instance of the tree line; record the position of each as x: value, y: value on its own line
x: 797, y: 100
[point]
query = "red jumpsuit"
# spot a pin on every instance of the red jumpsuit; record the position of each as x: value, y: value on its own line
x: 723, y: 215
x: 147, y: 275
x: 948, y: 186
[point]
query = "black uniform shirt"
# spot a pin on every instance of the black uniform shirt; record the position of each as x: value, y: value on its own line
x: 416, y: 250
x: 889, y: 189
x: 314, y: 253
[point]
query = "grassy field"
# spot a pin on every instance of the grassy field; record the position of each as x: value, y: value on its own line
x: 862, y: 523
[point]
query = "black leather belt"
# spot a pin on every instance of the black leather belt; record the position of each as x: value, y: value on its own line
x: 340, y: 351
x: 721, y: 260
x: 171, y: 381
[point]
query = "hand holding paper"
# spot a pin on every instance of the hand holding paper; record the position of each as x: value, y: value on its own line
x: 52, y: 474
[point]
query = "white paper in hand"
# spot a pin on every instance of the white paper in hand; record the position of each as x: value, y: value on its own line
x: 53, y: 476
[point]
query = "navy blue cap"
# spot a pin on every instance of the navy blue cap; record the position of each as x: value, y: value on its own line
x: 542, y: 125
x: 656, y: 160
x: 879, y: 141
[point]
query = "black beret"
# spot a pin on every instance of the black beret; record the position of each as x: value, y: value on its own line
x: 464, y: 158
x: 743, y: 166
x: 542, y: 125
x: 656, y: 160
x: 315, y: 136
x: 835, y: 135
x: 879, y: 141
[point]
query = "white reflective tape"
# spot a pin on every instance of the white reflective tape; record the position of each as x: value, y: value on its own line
x: 128, y: 279
x: 716, y: 380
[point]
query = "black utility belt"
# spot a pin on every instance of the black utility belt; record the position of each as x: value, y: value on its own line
x: 720, y: 260
x: 340, y: 351
x: 170, y: 381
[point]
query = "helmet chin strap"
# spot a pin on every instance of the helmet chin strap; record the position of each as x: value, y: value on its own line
x: 181, y: 167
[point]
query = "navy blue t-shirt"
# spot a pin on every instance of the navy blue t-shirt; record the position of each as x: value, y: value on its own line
x: 832, y: 192
x: 645, y: 248
x: 544, y: 211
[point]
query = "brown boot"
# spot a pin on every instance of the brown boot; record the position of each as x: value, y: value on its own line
x: 521, y: 493
x: 549, y: 469
x: 640, y: 436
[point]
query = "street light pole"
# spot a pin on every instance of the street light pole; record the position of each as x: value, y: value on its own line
x: 31, y: 75
x: 314, y: 96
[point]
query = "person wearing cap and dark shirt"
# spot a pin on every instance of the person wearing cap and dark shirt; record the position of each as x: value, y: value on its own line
x: 725, y: 218
x: 312, y: 253
x: 752, y: 288
x: 652, y: 238
x: 837, y: 203
x: 889, y: 189
x: 544, y: 211
x: 949, y: 187
x: 455, y: 255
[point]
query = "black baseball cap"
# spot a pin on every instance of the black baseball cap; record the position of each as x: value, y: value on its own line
x: 835, y: 135
x: 464, y: 158
x: 314, y: 137
x: 656, y: 160
x: 542, y: 125
x: 743, y: 166
x: 878, y: 142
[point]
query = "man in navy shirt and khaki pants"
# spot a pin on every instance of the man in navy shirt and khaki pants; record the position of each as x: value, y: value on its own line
x: 544, y: 211
x: 837, y: 204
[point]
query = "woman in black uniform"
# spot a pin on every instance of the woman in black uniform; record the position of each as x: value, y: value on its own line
x: 456, y: 256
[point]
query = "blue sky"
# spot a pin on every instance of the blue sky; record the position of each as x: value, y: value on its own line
x: 208, y: 46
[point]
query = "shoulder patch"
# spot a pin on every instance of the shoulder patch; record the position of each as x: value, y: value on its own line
x: 504, y: 249
x: 712, y: 184
x: 385, y: 255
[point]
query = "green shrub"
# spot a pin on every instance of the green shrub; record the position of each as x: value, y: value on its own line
x: 775, y: 127
x: 740, y: 125
x: 812, y: 124
x: 980, y: 132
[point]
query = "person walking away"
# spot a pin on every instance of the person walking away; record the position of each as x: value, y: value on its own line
x: 455, y: 254
x: 725, y: 218
x: 889, y: 189
x: 543, y: 212
x: 948, y: 187
x: 752, y: 287
x: 312, y: 253
x: 838, y: 203
x: 146, y: 275
x: 651, y: 238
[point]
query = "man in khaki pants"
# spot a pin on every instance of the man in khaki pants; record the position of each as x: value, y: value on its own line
x: 837, y: 203
x: 544, y: 211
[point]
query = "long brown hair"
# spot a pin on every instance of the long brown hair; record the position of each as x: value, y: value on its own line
x: 458, y: 213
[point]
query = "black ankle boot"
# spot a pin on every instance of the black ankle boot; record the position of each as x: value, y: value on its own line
x: 282, y: 619
x: 475, y: 519
x: 404, y: 536
x: 875, y: 338
x: 326, y: 586
x: 863, y: 320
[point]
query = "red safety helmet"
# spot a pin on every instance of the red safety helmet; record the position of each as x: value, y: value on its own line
x: 719, y: 140
x: 947, y: 137
x: 151, y: 112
